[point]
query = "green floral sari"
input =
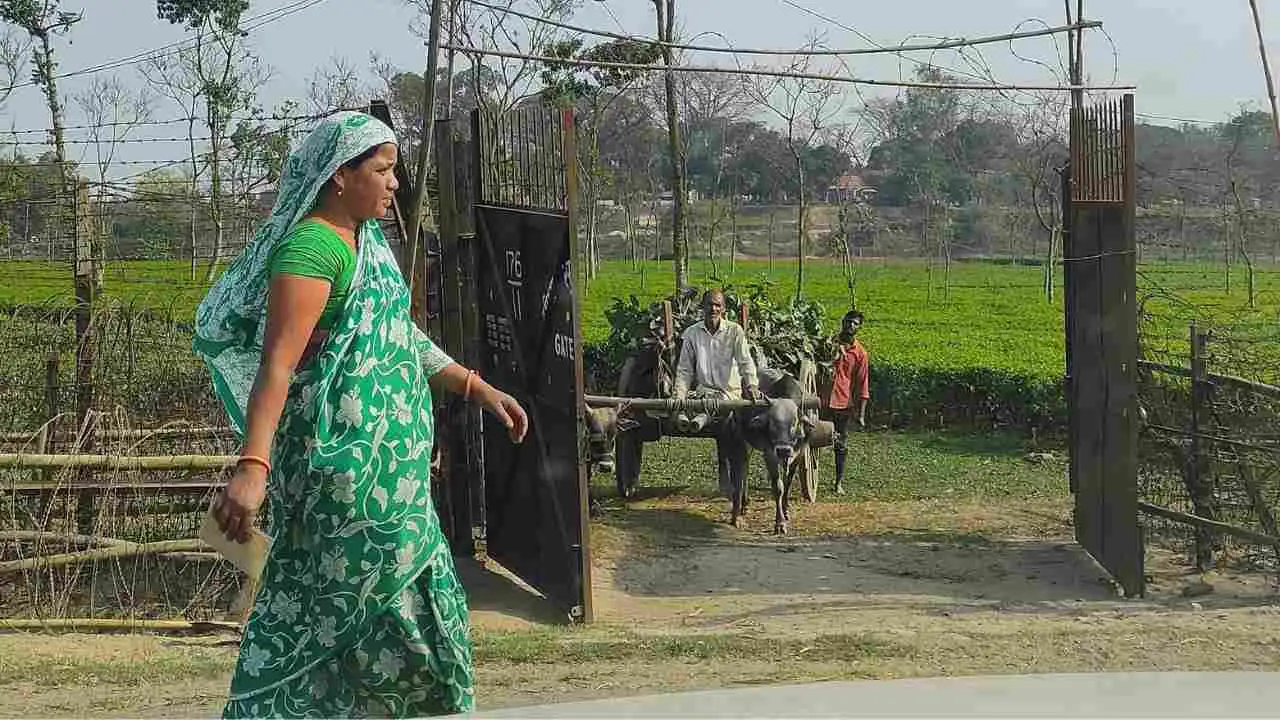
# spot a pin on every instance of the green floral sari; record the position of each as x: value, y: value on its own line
x: 359, y: 611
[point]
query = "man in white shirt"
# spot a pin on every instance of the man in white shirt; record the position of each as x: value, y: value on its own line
x: 715, y: 360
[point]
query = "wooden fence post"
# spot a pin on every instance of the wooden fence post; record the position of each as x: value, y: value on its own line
x: 1197, y: 473
x: 88, y: 281
x: 45, y: 440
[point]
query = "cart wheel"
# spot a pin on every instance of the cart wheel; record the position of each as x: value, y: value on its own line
x: 808, y: 459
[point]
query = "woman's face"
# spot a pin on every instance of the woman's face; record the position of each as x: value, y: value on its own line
x: 368, y: 188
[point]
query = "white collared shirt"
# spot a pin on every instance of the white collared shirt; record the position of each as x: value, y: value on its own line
x: 716, y: 361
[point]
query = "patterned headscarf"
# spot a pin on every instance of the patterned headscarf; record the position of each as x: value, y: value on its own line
x: 232, y: 318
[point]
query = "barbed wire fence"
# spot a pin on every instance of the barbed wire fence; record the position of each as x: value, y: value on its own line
x: 157, y: 436
x: 79, y: 529
x: 115, y: 443
x: 1209, y: 447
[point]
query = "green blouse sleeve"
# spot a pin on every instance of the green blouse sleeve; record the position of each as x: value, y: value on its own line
x: 310, y: 251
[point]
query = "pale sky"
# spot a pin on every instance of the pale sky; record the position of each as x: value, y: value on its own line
x: 1189, y: 58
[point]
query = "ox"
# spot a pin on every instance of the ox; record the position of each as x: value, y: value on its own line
x: 780, y: 432
x: 603, y: 426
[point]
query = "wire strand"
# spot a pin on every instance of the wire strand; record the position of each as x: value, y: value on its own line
x: 765, y: 72
x: 879, y: 50
x: 178, y: 46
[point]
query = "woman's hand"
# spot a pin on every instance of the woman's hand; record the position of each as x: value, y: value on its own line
x: 506, y: 410
x: 236, y: 507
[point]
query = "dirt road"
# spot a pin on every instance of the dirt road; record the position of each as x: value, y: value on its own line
x: 869, y: 590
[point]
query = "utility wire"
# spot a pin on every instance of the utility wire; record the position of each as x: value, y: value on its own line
x: 174, y: 48
x: 174, y: 121
x: 878, y: 50
x: 109, y: 141
x: 776, y: 73
x: 896, y: 50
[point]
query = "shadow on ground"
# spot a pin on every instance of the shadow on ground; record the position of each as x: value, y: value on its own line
x: 664, y: 554
x: 498, y: 600
x: 959, y: 566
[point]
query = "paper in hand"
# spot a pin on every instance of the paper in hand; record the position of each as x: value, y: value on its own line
x: 250, y: 557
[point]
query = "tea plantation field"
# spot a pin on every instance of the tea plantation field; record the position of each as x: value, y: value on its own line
x: 984, y: 334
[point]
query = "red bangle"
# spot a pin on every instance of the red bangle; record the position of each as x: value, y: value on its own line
x: 255, y: 460
x: 466, y: 391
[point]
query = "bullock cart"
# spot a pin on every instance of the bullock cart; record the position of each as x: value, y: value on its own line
x: 644, y: 396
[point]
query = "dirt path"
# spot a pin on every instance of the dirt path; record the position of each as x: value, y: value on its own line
x: 682, y: 602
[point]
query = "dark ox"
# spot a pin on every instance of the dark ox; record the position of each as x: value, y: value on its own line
x: 639, y: 377
x: 780, y: 432
x: 603, y: 426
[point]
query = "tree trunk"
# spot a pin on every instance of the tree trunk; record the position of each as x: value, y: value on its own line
x: 588, y: 251
x: 215, y: 189
x: 1226, y: 244
x: 629, y: 223
x: 49, y: 83
x: 733, y: 230
x: 846, y: 254
x: 773, y: 220
x: 45, y: 71
x: 801, y: 230
x: 195, y: 196
x: 1182, y: 228
x: 945, y: 239
x: 657, y: 232
x: 593, y: 193
x: 1241, y: 246
x: 928, y: 253
x: 1054, y: 236
x: 679, y: 241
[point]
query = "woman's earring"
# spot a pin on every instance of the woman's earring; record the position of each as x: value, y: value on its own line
x: 339, y: 192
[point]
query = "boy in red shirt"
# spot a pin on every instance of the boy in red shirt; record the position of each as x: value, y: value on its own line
x: 849, y: 388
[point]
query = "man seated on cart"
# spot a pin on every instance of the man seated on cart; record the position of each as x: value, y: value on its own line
x: 716, y: 362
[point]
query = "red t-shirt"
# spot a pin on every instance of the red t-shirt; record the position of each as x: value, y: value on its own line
x: 851, y: 372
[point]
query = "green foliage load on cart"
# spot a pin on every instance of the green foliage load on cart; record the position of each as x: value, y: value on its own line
x: 783, y: 332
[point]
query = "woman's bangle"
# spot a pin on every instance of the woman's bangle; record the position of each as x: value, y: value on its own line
x: 466, y: 391
x: 254, y: 459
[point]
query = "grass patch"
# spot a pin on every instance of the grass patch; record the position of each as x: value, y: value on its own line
x: 887, y: 466
x: 990, y: 315
x: 72, y: 666
x: 542, y: 647
x: 945, y: 465
x: 159, y: 285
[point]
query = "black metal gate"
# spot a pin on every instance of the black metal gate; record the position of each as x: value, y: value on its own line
x: 1102, y: 340
x: 514, y: 315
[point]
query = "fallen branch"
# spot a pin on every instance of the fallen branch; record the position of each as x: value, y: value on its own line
x: 116, y: 462
x: 107, y: 553
x: 191, y: 556
x: 68, y: 484
x: 44, y: 536
x: 125, y: 625
x: 166, y: 433
x: 1198, y: 521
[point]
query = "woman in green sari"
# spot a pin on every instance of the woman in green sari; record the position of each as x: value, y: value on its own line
x: 328, y: 381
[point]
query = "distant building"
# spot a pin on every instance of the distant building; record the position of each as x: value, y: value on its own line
x: 850, y: 188
x: 666, y: 196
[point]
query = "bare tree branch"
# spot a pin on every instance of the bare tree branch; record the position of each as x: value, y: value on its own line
x: 14, y: 51
x: 336, y: 85
x: 805, y: 108
x: 112, y: 112
x: 496, y: 29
